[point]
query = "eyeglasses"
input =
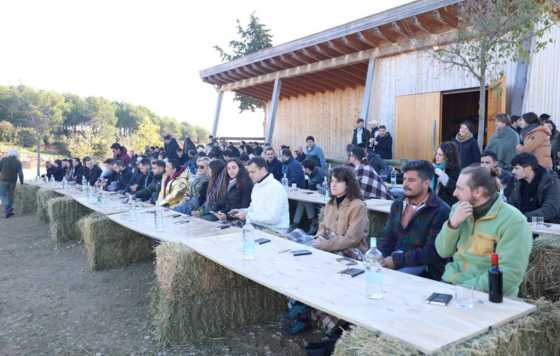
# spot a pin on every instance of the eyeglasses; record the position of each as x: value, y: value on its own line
x: 201, y: 167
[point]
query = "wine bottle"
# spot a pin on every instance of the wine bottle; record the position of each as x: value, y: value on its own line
x: 495, y: 279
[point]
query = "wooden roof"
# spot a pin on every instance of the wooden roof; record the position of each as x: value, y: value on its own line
x: 336, y: 49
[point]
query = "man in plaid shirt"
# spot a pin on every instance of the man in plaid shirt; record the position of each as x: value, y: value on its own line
x: 370, y: 183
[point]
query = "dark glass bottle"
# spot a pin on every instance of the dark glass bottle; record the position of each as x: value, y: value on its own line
x: 495, y: 280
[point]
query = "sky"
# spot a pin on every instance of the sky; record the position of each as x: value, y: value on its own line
x: 150, y: 52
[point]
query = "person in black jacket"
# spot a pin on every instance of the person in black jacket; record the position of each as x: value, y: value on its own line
x: 447, y: 170
x: 467, y: 145
x: 383, y: 143
x: 91, y: 171
x: 77, y: 171
x: 140, y: 178
x: 489, y: 160
x: 274, y: 165
x: 537, y: 191
x: 171, y: 147
x: 238, y: 193
x: 187, y: 146
x: 151, y: 192
x: 361, y: 135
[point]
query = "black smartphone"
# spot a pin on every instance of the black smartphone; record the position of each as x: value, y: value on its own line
x: 301, y: 253
x: 262, y: 241
x: 352, y: 272
x: 439, y: 299
x: 221, y: 227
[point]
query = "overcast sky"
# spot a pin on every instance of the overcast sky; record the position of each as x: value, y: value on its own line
x: 150, y: 52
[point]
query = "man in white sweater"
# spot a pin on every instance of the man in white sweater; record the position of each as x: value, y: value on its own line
x: 269, y: 200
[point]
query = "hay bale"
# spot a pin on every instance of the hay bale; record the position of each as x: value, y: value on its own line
x: 534, y: 334
x: 109, y: 245
x: 43, y: 196
x: 195, y: 297
x: 25, y: 199
x: 542, y: 279
x: 64, y: 213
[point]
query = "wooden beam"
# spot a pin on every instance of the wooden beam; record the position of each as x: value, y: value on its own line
x: 289, y: 59
x: 292, y: 91
x: 300, y: 89
x: 369, y: 41
x: 310, y: 87
x: 333, y: 74
x: 257, y: 68
x: 268, y: 67
x: 355, y: 44
x: 310, y: 54
x: 315, y: 80
x: 436, y: 17
x: 278, y: 62
x: 253, y: 93
x: 398, y: 28
x: 242, y: 73
x: 377, y: 32
x: 232, y: 74
x: 351, y: 74
x: 250, y: 71
x: 328, y: 80
x: 340, y: 48
x: 419, y: 24
x: 302, y: 58
x: 349, y: 59
x: 448, y: 18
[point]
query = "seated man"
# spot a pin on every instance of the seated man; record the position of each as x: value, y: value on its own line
x: 269, y: 200
x: 174, y: 184
x: 292, y: 169
x: 478, y: 220
x: 408, y: 241
x: 489, y: 160
x: 108, y: 175
x: 140, y: 178
x: 371, y: 185
x: 151, y: 192
x: 537, y: 191
x: 92, y: 172
x: 123, y: 173
x: 273, y: 164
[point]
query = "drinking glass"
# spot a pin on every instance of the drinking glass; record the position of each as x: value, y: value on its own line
x: 464, y: 297
x: 540, y: 222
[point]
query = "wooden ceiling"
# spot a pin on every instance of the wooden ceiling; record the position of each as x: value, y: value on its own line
x: 385, y: 35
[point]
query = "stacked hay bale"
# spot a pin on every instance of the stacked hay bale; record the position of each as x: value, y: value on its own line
x: 25, y: 200
x: 542, y: 278
x: 534, y: 334
x: 195, y: 297
x: 109, y: 245
x: 64, y: 213
x: 43, y: 196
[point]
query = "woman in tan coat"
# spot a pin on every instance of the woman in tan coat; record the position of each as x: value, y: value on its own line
x: 345, y: 227
x: 174, y: 185
x: 536, y: 139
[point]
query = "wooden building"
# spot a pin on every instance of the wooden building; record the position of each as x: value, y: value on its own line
x: 380, y: 68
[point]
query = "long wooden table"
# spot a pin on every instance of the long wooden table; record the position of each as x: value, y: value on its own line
x: 315, y: 281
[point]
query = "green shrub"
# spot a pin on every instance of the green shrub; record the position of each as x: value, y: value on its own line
x: 26, y: 137
x: 7, y: 131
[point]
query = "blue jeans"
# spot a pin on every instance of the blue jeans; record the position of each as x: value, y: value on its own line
x: 7, y: 191
x: 187, y: 206
x: 417, y: 270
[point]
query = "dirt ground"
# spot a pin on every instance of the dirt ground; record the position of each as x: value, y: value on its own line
x: 50, y: 304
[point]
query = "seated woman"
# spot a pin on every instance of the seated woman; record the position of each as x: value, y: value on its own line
x: 197, y: 188
x: 447, y: 168
x: 345, y: 227
x: 238, y: 193
x: 174, y: 184
x: 217, y: 185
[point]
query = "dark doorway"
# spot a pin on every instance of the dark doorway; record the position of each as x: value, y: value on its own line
x: 459, y: 106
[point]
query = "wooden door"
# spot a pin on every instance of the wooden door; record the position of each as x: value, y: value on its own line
x: 496, y: 104
x: 418, y: 125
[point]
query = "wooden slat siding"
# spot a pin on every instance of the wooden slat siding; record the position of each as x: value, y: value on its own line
x: 330, y: 117
x: 543, y: 82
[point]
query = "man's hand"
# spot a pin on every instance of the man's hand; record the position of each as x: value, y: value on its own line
x: 518, y: 148
x: 388, y: 262
x: 133, y: 187
x: 463, y: 211
x: 221, y: 216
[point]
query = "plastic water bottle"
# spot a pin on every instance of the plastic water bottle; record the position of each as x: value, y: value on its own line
x: 373, y: 259
x: 159, y: 219
x: 249, y: 246
x: 393, y: 176
x: 85, y: 185
x: 64, y: 183
x: 285, y: 182
x: 326, y: 190
x: 51, y: 180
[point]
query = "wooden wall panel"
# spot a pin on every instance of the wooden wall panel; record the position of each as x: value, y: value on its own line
x: 330, y: 117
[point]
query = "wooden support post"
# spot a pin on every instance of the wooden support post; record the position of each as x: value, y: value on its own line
x: 217, y: 112
x: 520, y: 84
x: 271, y: 119
x: 367, y: 91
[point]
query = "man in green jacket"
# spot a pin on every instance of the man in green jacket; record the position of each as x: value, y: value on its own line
x: 10, y: 170
x: 475, y: 222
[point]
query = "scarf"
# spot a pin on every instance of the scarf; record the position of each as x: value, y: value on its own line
x: 528, y: 129
x: 441, y: 166
x: 483, y: 209
x: 464, y: 138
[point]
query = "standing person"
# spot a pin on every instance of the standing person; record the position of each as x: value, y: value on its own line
x: 238, y: 193
x: 360, y: 137
x: 120, y: 153
x: 447, y: 168
x: 371, y: 185
x: 515, y: 125
x: 467, y: 145
x: 536, y: 139
x: 269, y: 200
x: 300, y: 154
x: 479, y: 220
x: 10, y: 171
x: 314, y: 150
x: 503, y: 141
x: 198, y: 185
x: 92, y: 172
x: 554, y: 141
x: 537, y: 191
x: 188, y: 145
x: 174, y: 184
x: 373, y: 132
x: 273, y: 164
x: 292, y: 169
x: 171, y: 147
x: 408, y: 240
x: 383, y: 143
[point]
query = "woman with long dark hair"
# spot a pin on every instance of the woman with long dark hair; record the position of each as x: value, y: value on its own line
x: 345, y: 227
x: 239, y: 188
x: 217, y: 185
x: 447, y: 168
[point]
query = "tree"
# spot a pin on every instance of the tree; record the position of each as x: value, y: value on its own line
x: 492, y: 33
x: 7, y: 131
x: 253, y: 38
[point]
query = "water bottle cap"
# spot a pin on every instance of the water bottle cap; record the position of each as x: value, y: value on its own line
x: 372, y: 242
